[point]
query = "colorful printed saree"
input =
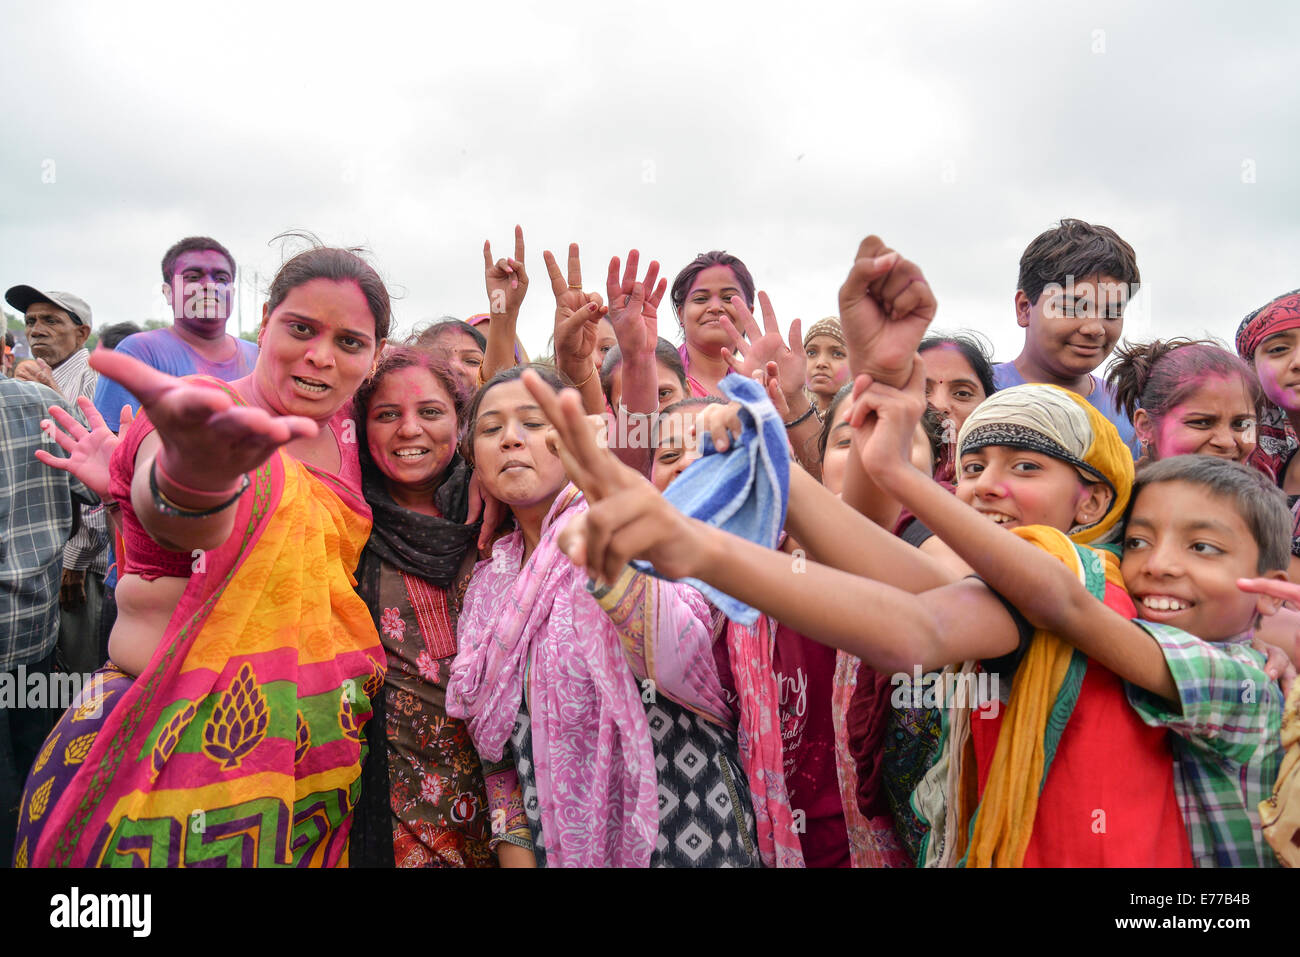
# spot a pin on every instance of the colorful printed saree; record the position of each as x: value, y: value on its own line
x: 241, y: 743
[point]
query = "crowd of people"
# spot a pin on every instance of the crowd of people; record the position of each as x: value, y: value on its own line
x: 855, y: 596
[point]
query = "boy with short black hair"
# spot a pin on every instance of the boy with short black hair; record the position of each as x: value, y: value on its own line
x: 1075, y: 281
x: 1227, y: 716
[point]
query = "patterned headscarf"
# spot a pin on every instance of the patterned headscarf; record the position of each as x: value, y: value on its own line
x: 1282, y: 313
x: 1277, y: 440
x: 1056, y: 422
x: 830, y: 326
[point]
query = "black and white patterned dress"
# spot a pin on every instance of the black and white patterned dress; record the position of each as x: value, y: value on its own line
x: 706, y: 818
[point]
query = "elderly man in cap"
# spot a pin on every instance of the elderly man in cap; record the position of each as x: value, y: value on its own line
x: 58, y: 325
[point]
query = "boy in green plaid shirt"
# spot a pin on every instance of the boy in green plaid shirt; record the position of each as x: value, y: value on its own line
x: 1199, y: 526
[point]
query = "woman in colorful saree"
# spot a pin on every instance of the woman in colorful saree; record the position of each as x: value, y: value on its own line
x: 608, y: 700
x: 425, y: 801
x: 239, y: 740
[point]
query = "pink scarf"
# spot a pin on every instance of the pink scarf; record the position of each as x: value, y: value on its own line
x: 697, y: 389
x: 597, y: 787
x: 750, y: 650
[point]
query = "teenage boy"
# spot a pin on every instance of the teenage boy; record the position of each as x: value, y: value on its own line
x: 1075, y: 281
x: 198, y: 280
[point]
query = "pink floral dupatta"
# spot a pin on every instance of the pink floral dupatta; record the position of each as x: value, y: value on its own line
x: 597, y: 787
x: 750, y: 649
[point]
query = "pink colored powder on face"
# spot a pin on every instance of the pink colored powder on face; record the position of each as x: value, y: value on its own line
x: 1217, y: 419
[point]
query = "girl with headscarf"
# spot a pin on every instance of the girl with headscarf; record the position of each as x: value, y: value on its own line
x: 828, y: 363
x: 1269, y: 339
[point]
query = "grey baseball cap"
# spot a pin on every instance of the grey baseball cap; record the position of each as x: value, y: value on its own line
x: 22, y: 297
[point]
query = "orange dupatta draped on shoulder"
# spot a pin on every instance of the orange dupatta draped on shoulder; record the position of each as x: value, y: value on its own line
x: 241, y: 743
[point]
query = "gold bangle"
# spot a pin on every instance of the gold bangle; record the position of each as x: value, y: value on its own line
x: 579, y: 385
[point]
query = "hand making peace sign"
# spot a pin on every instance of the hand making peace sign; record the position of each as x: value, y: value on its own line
x: 577, y: 314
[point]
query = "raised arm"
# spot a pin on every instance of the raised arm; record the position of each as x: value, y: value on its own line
x: 1046, y: 592
x: 507, y: 283
x: 577, y: 314
x: 198, y: 459
x: 885, y: 307
x: 766, y: 348
x: 633, y: 312
x: 829, y: 531
x: 629, y: 519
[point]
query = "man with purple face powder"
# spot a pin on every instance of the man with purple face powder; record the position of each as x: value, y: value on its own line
x: 198, y: 281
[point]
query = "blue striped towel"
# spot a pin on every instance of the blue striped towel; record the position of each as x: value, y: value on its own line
x: 744, y: 490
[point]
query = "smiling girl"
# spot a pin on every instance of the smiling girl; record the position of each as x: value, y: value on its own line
x: 426, y: 801
x: 701, y: 296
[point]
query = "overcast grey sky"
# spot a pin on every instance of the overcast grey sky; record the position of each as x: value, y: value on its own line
x: 780, y: 132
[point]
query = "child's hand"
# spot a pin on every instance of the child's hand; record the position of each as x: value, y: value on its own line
x: 885, y: 421
x: 573, y: 437
x: 1275, y: 587
x: 885, y: 307
x: 1278, y: 665
x: 720, y: 422
x: 627, y: 517
x: 637, y: 522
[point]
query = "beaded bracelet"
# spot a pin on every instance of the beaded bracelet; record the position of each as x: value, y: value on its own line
x: 172, y: 510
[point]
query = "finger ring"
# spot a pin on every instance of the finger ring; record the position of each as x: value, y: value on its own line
x: 572, y: 286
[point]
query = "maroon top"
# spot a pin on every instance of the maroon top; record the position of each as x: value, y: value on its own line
x: 805, y: 672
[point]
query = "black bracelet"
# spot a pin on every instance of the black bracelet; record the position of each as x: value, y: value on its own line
x: 803, y: 418
x: 172, y: 510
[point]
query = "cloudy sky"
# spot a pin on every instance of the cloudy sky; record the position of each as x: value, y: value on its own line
x: 783, y: 133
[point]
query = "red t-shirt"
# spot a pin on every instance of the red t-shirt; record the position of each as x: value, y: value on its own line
x: 1109, y: 798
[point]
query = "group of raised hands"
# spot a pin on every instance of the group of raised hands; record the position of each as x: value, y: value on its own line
x: 885, y: 307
